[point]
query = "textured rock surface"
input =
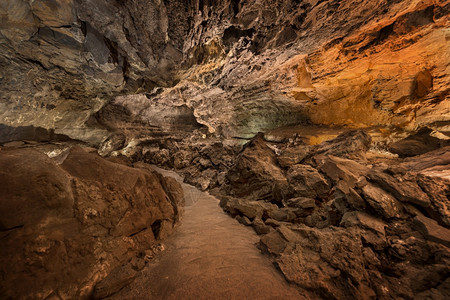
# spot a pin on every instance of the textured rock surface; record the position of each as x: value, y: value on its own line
x: 236, y: 67
x: 351, y: 228
x: 64, y: 227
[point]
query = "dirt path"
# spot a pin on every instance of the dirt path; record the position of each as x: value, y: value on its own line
x: 211, y: 256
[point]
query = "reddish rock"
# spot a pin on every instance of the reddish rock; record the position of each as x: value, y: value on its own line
x: 85, y: 216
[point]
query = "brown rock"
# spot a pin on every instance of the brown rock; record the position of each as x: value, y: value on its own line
x: 382, y: 202
x: 115, y: 281
x: 260, y: 227
x: 416, y: 144
x: 293, y: 156
x: 432, y: 231
x: 307, y: 181
x: 343, y: 169
x: 403, y: 187
x: 273, y: 243
x: 350, y: 144
x: 255, y: 172
x: 74, y: 215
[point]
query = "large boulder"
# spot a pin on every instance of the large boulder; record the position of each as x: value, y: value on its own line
x: 65, y: 227
x: 255, y: 174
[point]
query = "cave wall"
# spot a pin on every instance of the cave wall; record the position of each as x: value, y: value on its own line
x: 239, y: 66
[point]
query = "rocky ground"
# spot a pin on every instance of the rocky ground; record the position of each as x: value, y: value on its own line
x: 348, y: 183
x: 346, y: 218
x: 343, y: 222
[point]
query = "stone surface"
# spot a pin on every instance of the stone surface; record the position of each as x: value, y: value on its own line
x: 432, y: 230
x: 417, y: 144
x: 255, y: 173
x: 382, y: 202
x: 235, y: 67
x: 84, y: 216
x: 307, y: 181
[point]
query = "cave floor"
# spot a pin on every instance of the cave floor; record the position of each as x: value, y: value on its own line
x: 211, y: 256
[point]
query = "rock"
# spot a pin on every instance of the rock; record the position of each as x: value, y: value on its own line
x: 260, y: 227
x: 244, y: 220
x: 416, y: 144
x: 346, y: 198
x: 382, y: 202
x: 319, y: 260
x: 282, y: 214
x: 273, y: 243
x: 13, y: 144
x: 293, y: 156
x: 73, y: 215
x: 302, y: 202
x: 114, y: 282
x: 341, y: 169
x: 307, y: 181
x: 351, y: 144
x: 432, y: 231
x: 437, y: 190
x: 403, y: 187
x: 363, y: 220
x: 434, y: 164
x: 112, y: 143
x: 255, y: 172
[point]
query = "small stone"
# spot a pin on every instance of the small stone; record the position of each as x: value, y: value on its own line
x: 244, y: 220
x: 260, y: 227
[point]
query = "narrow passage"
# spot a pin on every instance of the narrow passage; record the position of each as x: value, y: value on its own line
x: 211, y: 256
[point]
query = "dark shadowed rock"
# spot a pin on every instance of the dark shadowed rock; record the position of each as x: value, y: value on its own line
x: 416, y: 144
x: 115, y: 281
x: 256, y: 173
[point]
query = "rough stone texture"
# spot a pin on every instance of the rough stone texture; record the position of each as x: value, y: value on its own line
x: 307, y: 181
x: 358, y: 228
x: 66, y: 226
x: 236, y: 67
x: 255, y: 173
x: 417, y: 144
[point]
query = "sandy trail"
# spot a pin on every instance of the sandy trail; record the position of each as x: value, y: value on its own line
x: 211, y: 256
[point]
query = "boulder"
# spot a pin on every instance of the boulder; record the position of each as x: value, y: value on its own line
x: 305, y: 181
x: 255, y: 172
x: 328, y: 261
x: 403, y: 186
x: 382, y: 202
x: 351, y: 144
x: 85, y: 216
x: 341, y: 169
x: 432, y: 231
x: 293, y: 155
x: 437, y: 190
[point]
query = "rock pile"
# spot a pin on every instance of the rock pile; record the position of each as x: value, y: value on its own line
x: 342, y: 225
